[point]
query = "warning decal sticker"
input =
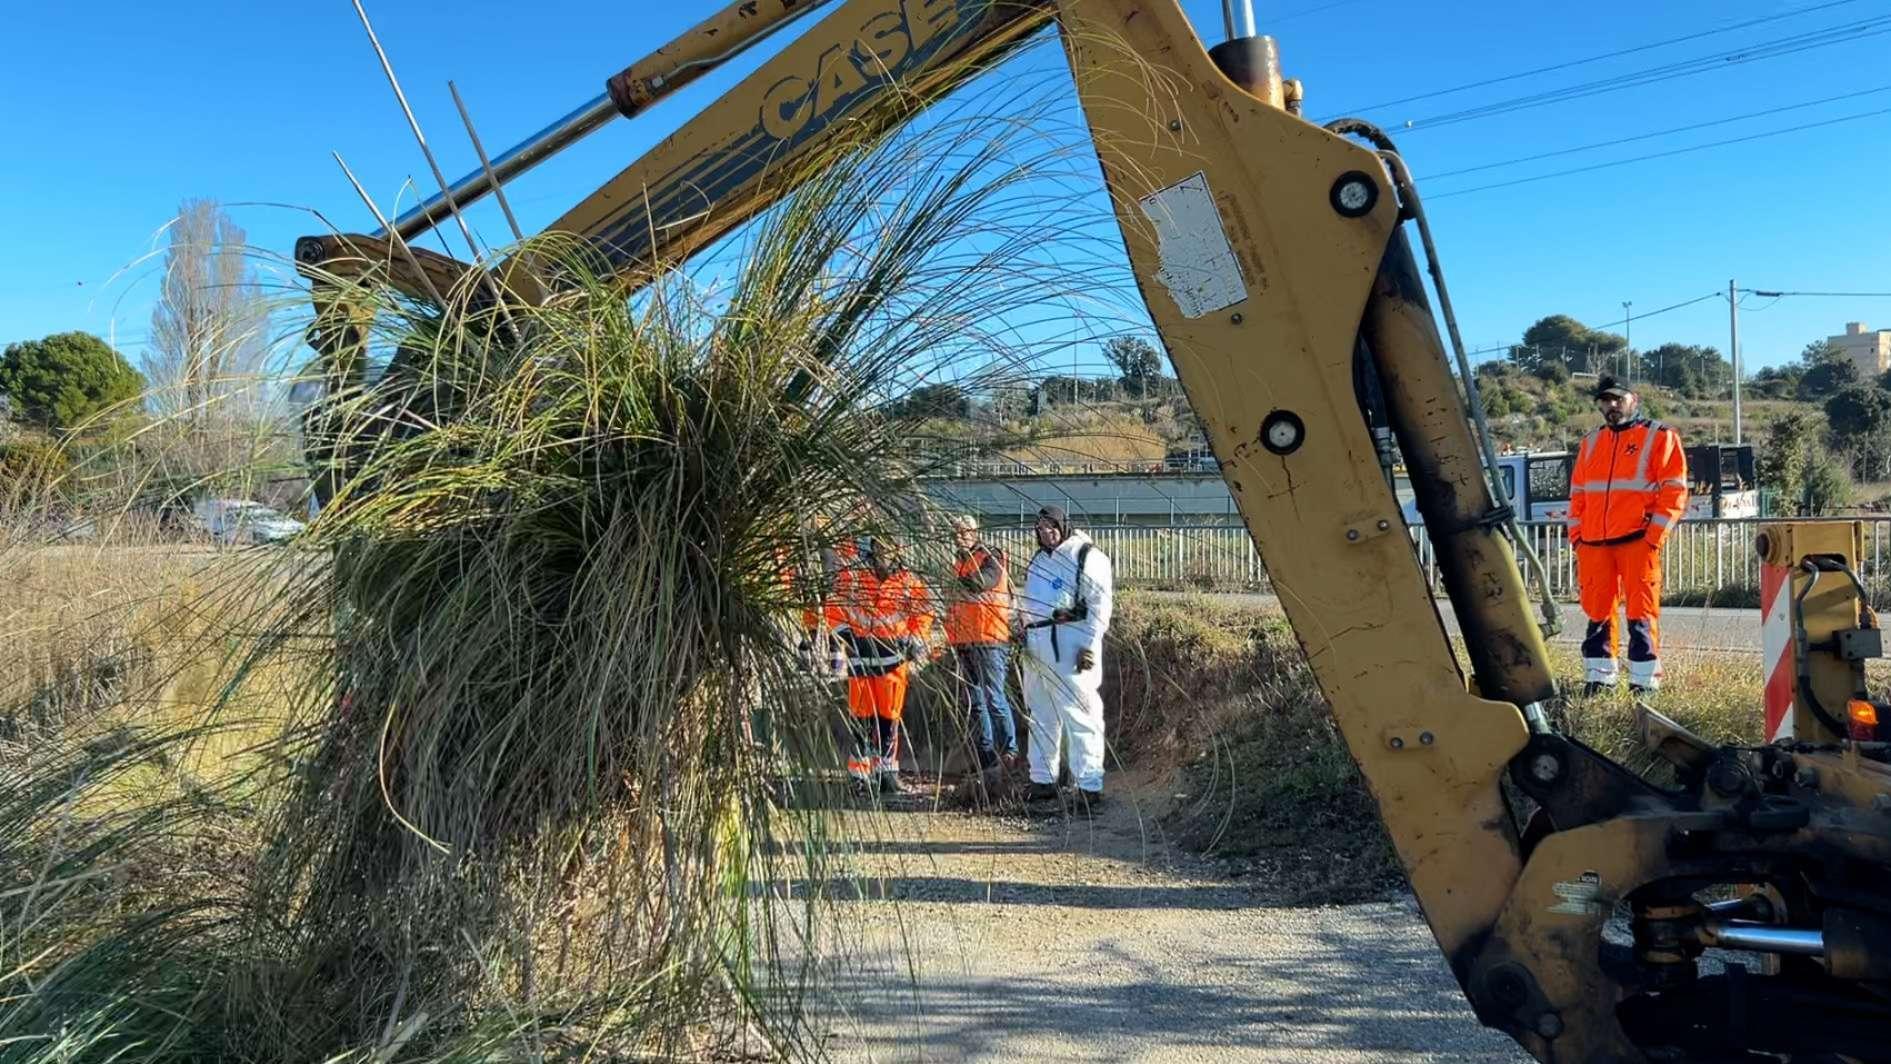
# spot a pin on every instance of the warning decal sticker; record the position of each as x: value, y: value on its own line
x: 1197, y: 264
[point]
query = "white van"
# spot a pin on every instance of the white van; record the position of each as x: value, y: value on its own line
x: 243, y: 522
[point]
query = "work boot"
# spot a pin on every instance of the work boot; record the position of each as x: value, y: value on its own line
x: 1042, y: 792
x: 860, y: 789
x: 992, y: 781
x: 1089, y: 802
x: 1592, y: 689
x: 890, y: 783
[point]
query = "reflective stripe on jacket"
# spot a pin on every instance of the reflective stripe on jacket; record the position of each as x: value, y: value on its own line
x: 980, y: 613
x: 878, y: 616
x: 1629, y: 481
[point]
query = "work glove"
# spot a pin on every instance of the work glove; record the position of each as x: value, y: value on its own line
x: 1086, y: 659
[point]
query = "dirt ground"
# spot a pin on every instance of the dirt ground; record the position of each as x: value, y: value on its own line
x: 984, y: 937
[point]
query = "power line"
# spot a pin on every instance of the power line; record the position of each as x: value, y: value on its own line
x: 1853, y: 31
x: 1660, y: 155
x: 1661, y: 133
x: 1599, y: 58
x: 1716, y: 294
x: 1768, y: 293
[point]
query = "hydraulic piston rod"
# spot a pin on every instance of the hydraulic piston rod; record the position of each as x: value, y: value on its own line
x: 1766, y: 938
x: 705, y: 46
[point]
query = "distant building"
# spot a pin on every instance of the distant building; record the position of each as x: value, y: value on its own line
x: 1870, y: 351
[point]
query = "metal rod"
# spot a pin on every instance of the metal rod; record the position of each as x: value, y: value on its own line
x: 1237, y: 17
x: 1766, y: 938
x: 528, y: 153
x: 485, y: 164
x: 446, y: 194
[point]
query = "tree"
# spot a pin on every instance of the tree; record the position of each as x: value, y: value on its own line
x: 1055, y: 389
x: 1795, y: 463
x: 208, y: 330
x: 933, y: 400
x: 1140, y: 365
x: 1778, y: 382
x: 1827, y: 371
x: 1858, y: 411
x: 1562, y: 339
x: 1860, y: 417
x: 1690, y: 369
x: 60, y: 381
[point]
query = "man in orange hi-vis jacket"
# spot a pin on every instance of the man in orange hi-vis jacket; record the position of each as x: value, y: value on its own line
x: 884, y: 616
x: 1627, y: 490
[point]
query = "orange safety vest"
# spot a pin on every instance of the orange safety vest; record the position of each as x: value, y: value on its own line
x: 980, y: 617
x: 1628, y: 483
x: 878, y: 614
x: 830, y: 614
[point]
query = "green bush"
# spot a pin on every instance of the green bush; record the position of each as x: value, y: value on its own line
x: 31, y: 471
x: 1553, y: 371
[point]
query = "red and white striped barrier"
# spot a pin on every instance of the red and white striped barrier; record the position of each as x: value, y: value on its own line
x: 1776, y: 648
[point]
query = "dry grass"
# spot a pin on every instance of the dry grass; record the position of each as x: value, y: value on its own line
x: 516, y: 686
x: 1078, y: 436
x: 1223, y: 694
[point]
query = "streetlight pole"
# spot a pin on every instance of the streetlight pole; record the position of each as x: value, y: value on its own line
x: 1733, y: 344
x: 1628, y: 339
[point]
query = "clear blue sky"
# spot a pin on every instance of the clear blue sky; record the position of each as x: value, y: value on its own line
x: 113, y: 112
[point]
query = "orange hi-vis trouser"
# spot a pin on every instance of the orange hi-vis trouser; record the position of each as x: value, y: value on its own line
x: 876, y: 704
x: 1629, y: 575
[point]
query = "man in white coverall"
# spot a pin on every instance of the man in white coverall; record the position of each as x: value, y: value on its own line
x: 1063, y: 610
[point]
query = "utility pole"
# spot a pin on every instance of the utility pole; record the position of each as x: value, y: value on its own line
x: 1733, y: 344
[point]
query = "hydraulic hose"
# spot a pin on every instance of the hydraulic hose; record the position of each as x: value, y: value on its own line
x: 1414, y: 207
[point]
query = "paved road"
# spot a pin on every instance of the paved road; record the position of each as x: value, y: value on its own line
x: 1090, y: 943
x: 1682, y: 628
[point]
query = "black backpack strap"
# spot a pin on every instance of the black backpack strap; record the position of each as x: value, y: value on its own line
x: 1079, y: 608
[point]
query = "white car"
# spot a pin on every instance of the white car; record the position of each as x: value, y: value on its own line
x: 237, y: 522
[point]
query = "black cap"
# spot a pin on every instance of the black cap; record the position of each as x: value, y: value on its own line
x: 1607, y: 385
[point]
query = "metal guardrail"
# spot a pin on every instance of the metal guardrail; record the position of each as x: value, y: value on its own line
x: 1000, y: 469
x: 1703, y: 555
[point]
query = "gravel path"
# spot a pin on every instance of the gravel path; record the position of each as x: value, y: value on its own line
x: 1078, y: 941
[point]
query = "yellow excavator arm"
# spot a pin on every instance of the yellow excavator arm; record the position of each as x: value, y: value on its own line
x: 1275, y: 259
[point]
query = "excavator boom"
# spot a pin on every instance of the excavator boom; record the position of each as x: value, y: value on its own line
x: 1273, y: 256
